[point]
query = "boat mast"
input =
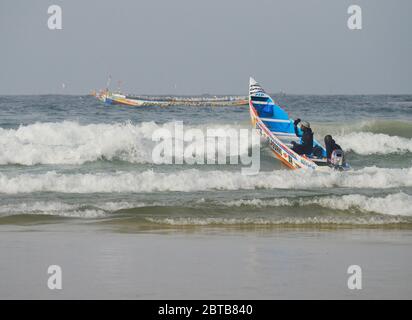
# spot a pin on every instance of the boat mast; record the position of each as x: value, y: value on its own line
x: 109, y: 80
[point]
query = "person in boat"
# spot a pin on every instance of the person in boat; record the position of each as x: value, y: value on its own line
x: 306, y: 145
x: 330, y: 146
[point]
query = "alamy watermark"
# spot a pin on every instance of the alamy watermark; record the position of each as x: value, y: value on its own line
x: 355, y: 20
x: 55, y: 22
x: 54, y: 282
x: 355, y: 278
x: 178, y: 145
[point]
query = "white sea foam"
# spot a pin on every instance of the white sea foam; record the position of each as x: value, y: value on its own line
x: 268, y: 221
x: 116, y: 206
x: 86, y: 214
x: 392, y: 204
x: 67, y: 210
x: 201, y: 180
x: 395, y: 205
x: 368, y: 137
x: 37, y: 206
x: 51, y: 209
x: 72, y: 143
x: 366, y: 143
x: 69, y: 142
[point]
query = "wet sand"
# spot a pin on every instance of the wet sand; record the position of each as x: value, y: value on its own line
x: 204, y: 263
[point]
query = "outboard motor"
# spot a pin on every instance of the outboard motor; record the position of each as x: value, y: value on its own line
x: 337, y: 158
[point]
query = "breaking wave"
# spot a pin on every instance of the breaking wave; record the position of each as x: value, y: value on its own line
x: 51, y: 209
x: 72, y: 143
x: 392, y: 204
x: 200, y: 180
x: 61, y: 209
x: 366, y: 143
x: 267, y: 221
x: 389, y: 127
x: 352, y: 209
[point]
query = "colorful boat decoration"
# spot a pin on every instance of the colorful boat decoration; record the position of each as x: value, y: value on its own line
x: 273, y: 124
x: 110, y: 98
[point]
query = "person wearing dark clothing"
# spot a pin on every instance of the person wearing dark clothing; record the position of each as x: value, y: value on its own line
x: 331, y: 146
x: 306, y: 145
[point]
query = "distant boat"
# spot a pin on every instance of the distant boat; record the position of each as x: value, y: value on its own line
x: 111, y: 98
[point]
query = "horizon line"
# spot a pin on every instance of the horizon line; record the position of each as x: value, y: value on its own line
x: 212, y: 94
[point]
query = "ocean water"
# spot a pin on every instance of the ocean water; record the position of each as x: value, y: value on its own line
x: 71, y: 159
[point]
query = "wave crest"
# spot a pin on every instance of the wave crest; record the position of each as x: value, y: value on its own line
x: 392, y: 204
x: 75, y: 144
x: 200, y: 180
x: 367, y: 143
x: 72, y: 143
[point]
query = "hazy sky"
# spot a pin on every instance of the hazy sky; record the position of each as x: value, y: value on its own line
x: 208, y: 46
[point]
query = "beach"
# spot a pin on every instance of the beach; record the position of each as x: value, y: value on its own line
x: 205, y: 263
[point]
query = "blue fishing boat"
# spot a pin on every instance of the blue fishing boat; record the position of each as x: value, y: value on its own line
x: 273, y: 124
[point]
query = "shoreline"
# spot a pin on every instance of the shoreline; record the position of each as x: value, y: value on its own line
x: 215, y: 263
